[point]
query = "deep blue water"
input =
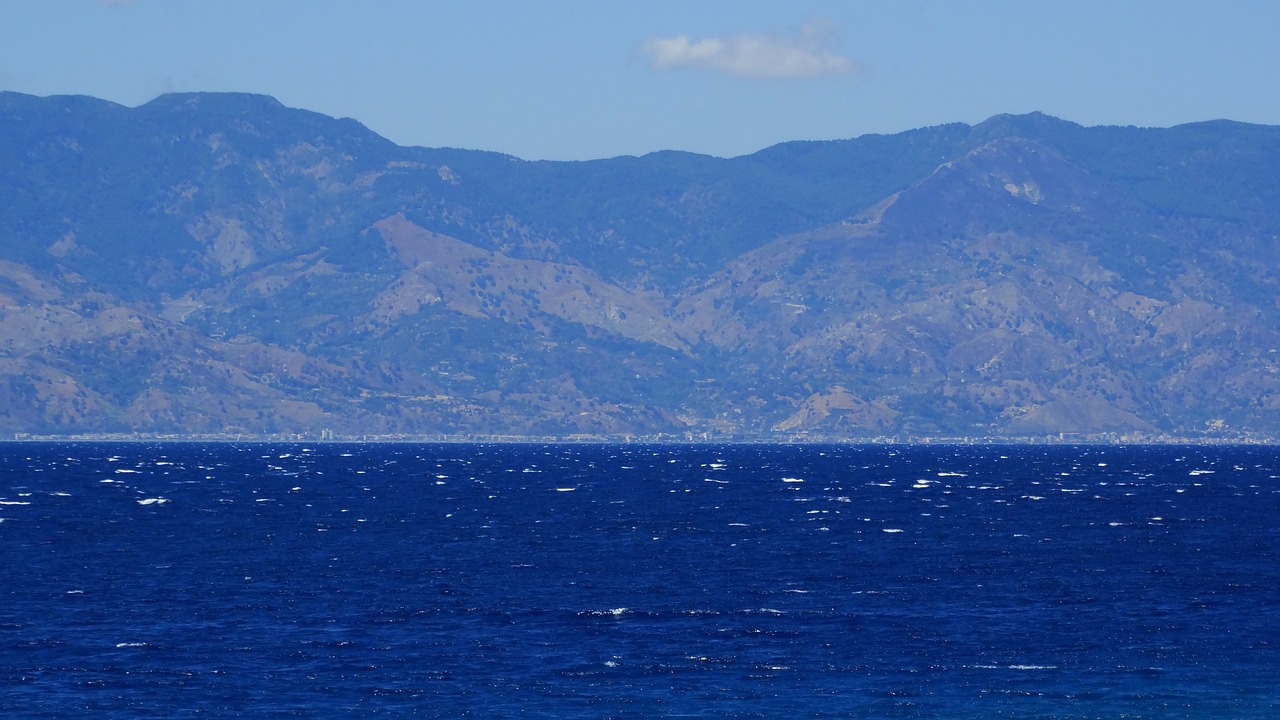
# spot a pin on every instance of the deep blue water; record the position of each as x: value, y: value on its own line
x: 580, y: 581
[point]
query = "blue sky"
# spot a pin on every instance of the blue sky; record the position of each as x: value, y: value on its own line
x: 578, y: 79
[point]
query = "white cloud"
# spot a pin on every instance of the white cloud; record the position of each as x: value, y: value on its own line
x: 805, y: 53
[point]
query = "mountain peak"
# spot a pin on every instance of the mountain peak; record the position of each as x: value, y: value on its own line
x: 1031, y: 126
x: 220, y: 103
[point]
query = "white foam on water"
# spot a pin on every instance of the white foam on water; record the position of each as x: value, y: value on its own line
x: 953, y: 474
x: 792, y: 480
x: 153, y: 501
x: 1033, y: 667
x: 1201, y: 472
x: 612, y: 612
x: 130, y: 644
x: 122, y: 471
x: 891, y: 530
x: 566, y: 489
x: 14, y: 502
x: 75, y: 592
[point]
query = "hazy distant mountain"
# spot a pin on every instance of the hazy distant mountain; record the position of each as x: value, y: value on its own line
x: 218, y: 263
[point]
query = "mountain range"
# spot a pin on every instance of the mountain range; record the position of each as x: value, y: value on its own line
x: 216, y: 264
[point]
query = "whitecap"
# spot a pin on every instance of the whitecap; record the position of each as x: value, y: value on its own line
x: 1033, y: 667
x: 792, y: 480
x: 1201, y: 472
x: 153, y: 501
x: 891, y: 530
x: 566, y: 489
x: 13, y: 502
x: 130, y: 644
x: 952, y: 474
x: 612, y: 612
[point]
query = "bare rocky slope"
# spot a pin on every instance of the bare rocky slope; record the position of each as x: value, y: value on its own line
x: 218, y: 264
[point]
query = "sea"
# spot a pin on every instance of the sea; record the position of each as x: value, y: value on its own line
x: 336, y: 580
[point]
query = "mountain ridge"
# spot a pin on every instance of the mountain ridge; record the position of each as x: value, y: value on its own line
x: 219, y: 265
